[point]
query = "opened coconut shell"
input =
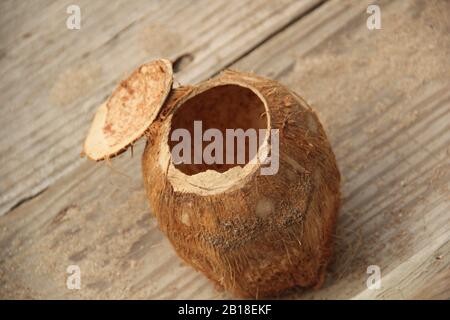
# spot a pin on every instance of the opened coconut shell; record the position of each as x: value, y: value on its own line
x: 255, y: 235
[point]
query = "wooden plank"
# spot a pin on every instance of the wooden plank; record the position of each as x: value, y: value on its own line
x: 383, y: 97
x: 422, y: 276
x: 57, y: 77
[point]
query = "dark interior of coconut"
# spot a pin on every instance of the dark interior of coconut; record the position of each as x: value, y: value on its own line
x: 222, y: 107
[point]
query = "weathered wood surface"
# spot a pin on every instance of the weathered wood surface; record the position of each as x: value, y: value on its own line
x: 56, y: 77
x: 382, y: 95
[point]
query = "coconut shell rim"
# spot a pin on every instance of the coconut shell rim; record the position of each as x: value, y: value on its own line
x: 243, y: 174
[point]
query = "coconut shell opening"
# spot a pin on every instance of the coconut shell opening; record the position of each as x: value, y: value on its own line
x: 129, y: 112
x: 221, y: 107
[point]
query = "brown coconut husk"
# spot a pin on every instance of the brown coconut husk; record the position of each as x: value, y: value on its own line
x: 255, y: 235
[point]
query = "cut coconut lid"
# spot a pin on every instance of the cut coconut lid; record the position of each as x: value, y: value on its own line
x: 129, y: 111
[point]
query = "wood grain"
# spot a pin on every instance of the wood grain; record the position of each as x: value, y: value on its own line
x: 57, y: 77
x: 383, y: 98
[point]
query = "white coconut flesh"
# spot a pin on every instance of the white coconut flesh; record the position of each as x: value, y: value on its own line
x: 129, y: 111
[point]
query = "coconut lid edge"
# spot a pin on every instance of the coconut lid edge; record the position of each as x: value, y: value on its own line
x: 130, y: 110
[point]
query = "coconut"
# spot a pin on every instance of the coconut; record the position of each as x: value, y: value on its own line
x: 254, y: 234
